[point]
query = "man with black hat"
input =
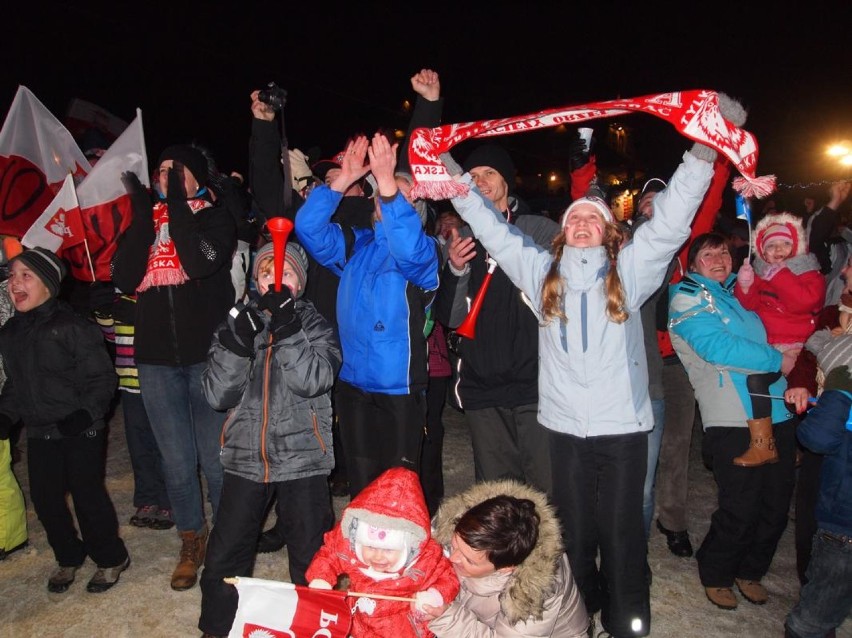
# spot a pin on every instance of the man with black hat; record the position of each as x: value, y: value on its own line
x: 498, y: 374
x: 176, y: 256
x: 60, y: 385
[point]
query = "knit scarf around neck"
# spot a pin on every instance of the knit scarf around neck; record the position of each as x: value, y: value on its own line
x: 164, y: 267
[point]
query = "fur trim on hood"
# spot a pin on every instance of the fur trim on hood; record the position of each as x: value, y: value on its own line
x: 531, y: 581
x: 791, y: 222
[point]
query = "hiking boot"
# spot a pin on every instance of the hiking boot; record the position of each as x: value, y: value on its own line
x: 106, y: 577
x: 752, y: 591
x: 4, y: 553
x: 761, y: 450
x: 722, y: 597
x: 678, y: 542
x: 162, y: 519
x: 61, y: 579
x: 143, y: 516
x: 270, y: 541
x: 192, y: 553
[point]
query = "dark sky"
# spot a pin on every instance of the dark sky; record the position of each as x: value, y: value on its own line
x: 191, y: 67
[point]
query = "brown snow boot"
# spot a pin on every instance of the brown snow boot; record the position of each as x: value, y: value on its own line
x: 762, y: 448
x: 192, y: 553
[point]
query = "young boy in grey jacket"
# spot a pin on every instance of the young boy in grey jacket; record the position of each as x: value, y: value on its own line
x: 272, y: 364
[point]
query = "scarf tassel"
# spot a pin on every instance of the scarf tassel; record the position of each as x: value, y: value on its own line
x: 758, y: 187
x: 446, y: 189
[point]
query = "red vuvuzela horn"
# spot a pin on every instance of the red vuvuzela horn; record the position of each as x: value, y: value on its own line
x: 467, y: 328
x: 279, y: 228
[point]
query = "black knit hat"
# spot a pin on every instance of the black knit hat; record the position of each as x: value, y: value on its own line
x: 497, y: 158
x: 190, y: 157
x: 46, y: 265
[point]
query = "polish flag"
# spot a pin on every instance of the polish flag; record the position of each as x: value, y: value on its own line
x: 60, y: 226
x: 105, y: 204
x: 36, y: 153
x: 274, y: 609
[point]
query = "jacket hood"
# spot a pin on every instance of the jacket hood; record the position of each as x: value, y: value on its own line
x: 791, y: 222
x: 531, y: 581
x: 392, y: 501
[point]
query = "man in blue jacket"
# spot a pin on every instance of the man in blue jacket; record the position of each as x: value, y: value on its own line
x: 387, y: 282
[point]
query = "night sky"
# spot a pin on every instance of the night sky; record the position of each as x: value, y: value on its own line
x: 191, y: 67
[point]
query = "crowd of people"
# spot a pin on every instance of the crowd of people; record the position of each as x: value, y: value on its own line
x: 581, y: 349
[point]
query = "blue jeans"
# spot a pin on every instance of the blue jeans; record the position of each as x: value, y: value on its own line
x: 826, y: 599
x: 149, y: 488
x: 187, y: 431
x: 655, y: 439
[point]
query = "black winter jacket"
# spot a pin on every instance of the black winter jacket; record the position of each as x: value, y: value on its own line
x: 175, y: 324
x: 56, y: 363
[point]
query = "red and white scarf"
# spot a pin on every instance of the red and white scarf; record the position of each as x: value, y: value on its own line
x: 695, y: 114
x: 164, y: 267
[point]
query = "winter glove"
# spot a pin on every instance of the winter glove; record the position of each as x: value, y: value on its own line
x: 319, y: 583
x: 6, y: 425
x: 244, y: 324
x: 102, y: 296
x: 578, y: 154
x: 300, y: 170
x: 431, y: 597
x: 281, y: 304
x: 745, y: 276
x: 180, y: 213
x: 453, y: 167
x: 75, y: 423
x: 140, y: 200
x: 732, y: 111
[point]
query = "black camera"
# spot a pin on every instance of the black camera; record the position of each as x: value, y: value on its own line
x: 273, y: 95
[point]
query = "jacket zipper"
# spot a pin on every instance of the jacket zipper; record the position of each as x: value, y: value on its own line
x: 265, y: 419
x: 316, y: 430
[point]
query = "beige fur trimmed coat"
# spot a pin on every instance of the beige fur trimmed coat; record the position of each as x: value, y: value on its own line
x: 539, y: 598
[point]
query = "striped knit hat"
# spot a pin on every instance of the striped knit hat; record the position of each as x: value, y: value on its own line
x: 46, y: 265
x: 294, y: 255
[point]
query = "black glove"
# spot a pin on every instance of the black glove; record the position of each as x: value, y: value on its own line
x: 140, y: 200
x: 180, y: 214
x: 6, y: 425
x: 284, y: 322
x: 102, y: 296
x: 75, y: 423
x: 244, y: 324
x: 578, y: 154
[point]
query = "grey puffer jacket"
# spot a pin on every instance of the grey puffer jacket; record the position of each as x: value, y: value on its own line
x: 279, y: 428
x: 538, y: 598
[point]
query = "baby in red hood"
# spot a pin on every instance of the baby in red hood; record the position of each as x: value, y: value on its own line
x: 384, y: 543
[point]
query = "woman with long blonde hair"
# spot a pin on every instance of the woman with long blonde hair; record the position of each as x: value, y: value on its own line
x: 593, y: 379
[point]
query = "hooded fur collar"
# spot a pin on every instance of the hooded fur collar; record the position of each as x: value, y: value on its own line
x: 532, y: 581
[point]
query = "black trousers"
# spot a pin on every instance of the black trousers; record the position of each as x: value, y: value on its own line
x: 598, y: 487
x: 76, y: 465
x: 379, y: 431
x: 753, y: 506
x: 431, y: 456
x: 807, y: 494
x: 231, y: 549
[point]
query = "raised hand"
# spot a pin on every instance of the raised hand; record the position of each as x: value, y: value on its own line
x: 261, y: 110
x: 461, y: 250
x: 426, y: 84
x: 383, y: 162
x: 352, y: 168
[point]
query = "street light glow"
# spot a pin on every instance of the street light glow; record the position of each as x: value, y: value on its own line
x: 838, y: 150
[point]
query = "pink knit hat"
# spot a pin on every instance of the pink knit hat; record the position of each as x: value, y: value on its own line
x: 775, y: 232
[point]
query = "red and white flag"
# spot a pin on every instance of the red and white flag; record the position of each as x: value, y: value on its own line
x: 105, y: 204
x: 273, y: 609
x: 83, y: 115
x: 36, y: 153
x: 60, y: 225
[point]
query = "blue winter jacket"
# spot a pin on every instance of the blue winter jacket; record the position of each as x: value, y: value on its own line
x: 826, y: 430
x: 387, y: 284
x: 720, y: 343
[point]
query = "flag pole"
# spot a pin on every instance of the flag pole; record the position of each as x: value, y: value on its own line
x: 236, y: 579
x: 89, y: 257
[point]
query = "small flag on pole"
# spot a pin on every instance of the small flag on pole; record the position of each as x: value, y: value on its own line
x: 273, y: 609
x: 60, y: 225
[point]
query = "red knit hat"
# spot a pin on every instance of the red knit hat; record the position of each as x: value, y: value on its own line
x: 775, y: 232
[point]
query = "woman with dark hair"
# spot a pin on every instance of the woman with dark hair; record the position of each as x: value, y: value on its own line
x: 720, y: 344
x: 506, y: 549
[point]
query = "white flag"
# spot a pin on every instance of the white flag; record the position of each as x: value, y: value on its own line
x: 60, y: 225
